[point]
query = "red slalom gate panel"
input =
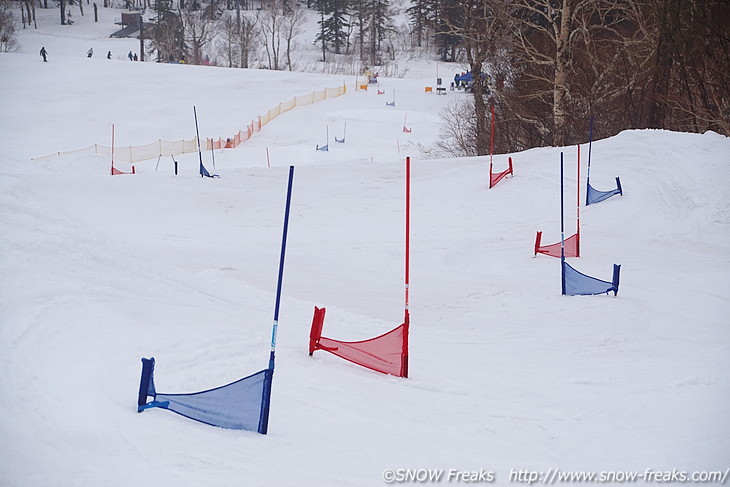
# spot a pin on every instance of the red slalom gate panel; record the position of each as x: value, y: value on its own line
x: 387, y: 353
x: 495, y: 178
x: 572, y: 246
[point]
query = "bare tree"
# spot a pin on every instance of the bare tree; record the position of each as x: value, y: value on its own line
x: 167, y: 35
x: 8, y: 28
x: 458, y: 126
x: 247, y: 29
x: 697, y: 97
x: 542, y: 49
x: 27, y: 11
x: 291, y: 28
x: 636, y: 63
x: 271, y: 20
x: 237, y: 35
x: 198, y: 32
x: 62, y: 6
x: 480, y: 25
x: 570, y: 58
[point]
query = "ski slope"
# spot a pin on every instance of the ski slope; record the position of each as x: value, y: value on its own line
x: 505, y: 373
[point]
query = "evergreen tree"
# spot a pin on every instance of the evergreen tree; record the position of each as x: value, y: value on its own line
x: 447, y: 17
x: 360, y: 15
x: 380, y: 24
x: 418, y: 14
x: 333, y: 22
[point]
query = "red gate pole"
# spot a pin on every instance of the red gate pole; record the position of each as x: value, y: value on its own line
x: 112, y: 169
x: 407, y: 318
x: 408, y: 230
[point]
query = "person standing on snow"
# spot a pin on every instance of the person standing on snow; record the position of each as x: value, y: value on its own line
x: 130, y: 56
x: 90, y: 52
x: 44, y: 53
x: 109, y: 55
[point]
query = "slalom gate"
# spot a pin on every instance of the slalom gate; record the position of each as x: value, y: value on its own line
x: 114, y: 171
x: 571, y: 245
x: 242, y: 404
x: 494, y: 178
x: 593, y: 195
x: 575, y: 283
x: 386, y: 353
x: 326, y: 146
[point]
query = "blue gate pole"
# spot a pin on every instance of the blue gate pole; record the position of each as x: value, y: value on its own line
x: 588, y: 172
x: 266, y: 396
x: 281, y: 268
x: 562, y: 228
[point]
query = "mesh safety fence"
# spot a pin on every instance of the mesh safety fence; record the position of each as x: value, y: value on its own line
x: 159, y: 148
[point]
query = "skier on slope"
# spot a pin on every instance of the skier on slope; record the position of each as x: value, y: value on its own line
x: 44, y: 53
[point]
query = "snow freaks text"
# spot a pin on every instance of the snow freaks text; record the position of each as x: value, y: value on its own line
x: 554, y: 476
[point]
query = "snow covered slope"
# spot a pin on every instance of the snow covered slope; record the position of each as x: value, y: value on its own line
x: 505, y: 373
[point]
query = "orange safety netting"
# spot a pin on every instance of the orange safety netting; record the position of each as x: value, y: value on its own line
x: 171, y: 148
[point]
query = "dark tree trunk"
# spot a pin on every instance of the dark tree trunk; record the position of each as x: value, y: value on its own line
x: 668, y: 22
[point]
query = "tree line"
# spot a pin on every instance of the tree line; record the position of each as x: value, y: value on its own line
x: 554, y: 64
x: 547, y: 66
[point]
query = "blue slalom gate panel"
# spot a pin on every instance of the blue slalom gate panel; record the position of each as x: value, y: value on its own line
x: 242, y: 405
x: 595, y: 196
x: 204, y: 173
x: 576, y: 283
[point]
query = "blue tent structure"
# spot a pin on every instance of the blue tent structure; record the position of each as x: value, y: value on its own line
x: 466, y: 77
x: 242, y: 404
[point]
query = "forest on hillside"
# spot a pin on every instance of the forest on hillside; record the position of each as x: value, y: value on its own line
x: 546, y: 66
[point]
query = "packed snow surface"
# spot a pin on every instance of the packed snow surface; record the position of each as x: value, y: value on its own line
x: 98, y: 271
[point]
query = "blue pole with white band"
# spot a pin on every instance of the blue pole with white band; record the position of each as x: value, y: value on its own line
x: 281, y: 268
